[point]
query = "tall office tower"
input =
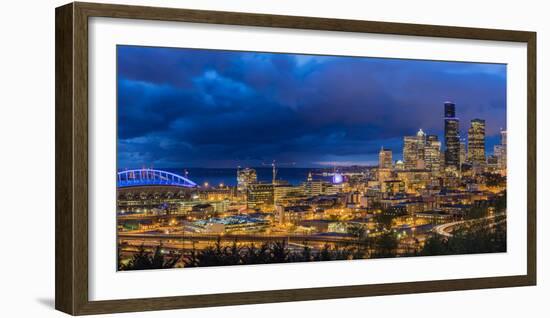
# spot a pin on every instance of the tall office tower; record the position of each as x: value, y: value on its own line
x: 500, y: 154
x: 452, y: 136
x: 463, y: 154
x: 450, y: 110
x: 421, y: 139
x: 432, y: 153
x: 245, y: 177
x: 414, y: 150
x: 476, y: 142
x: 410, y: 151
x: 500, y: 150
x: 385, y: 159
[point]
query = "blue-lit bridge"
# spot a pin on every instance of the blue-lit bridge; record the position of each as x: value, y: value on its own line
x: 151, y: 177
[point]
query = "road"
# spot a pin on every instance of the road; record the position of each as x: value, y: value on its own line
x: 234, y: 237
x: 447, y: 228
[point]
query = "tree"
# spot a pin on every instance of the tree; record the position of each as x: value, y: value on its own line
x: 279, y: 252
x: 385, y: 219
x: 435, y: 245
x: 267, y: 253
x: 356, y: 230
x: 477, y: 212
x: 324, y: 254
x: 500, y: 204
x: 385, y: 245
x: 254, y: 255
x: 144, y: 260
x: 216, y: 255
x: 484, y: 237
x: 232, y: 254
x: 330, y: 254
x: 306, y: 253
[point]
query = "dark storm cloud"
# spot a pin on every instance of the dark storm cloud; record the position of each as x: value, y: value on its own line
x: 186, y: 107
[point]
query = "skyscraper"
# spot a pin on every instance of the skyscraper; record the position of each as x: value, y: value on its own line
x: 410, y: 151
x: 432, y: 153
x: 385, y: 159
x: 452, y: 136
x: 463, y: 155
x: 414, y: 150
x: 476, y: 142
x: 500, y: 150
x: 421, y: 139
x: 450, y: 110
x: 499, y: 153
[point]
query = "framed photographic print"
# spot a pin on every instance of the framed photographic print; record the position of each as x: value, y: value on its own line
x: 218, y: 158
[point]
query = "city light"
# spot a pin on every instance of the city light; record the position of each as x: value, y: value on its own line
x: 276, y: 158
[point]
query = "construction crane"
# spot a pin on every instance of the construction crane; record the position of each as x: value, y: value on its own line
x: 273, y: 165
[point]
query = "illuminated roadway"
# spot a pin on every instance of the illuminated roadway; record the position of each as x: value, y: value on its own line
x: 235, y: 237
x: 447, y: 228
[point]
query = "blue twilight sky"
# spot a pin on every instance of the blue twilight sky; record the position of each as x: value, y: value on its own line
x: 213, y: 108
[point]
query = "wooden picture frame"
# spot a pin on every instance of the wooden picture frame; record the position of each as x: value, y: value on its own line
x: 71, y: 90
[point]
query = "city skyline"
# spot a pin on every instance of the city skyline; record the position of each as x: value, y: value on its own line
x: 187, y: 106
x: 396, y: 156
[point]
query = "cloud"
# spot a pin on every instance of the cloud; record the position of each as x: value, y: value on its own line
x: 187, y: 107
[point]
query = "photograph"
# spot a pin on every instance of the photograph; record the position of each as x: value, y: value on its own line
x: 242, y: 158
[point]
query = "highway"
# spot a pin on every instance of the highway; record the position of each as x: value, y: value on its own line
x: 130, y: 217
x: 447, y: 228
x: 233, y: 237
